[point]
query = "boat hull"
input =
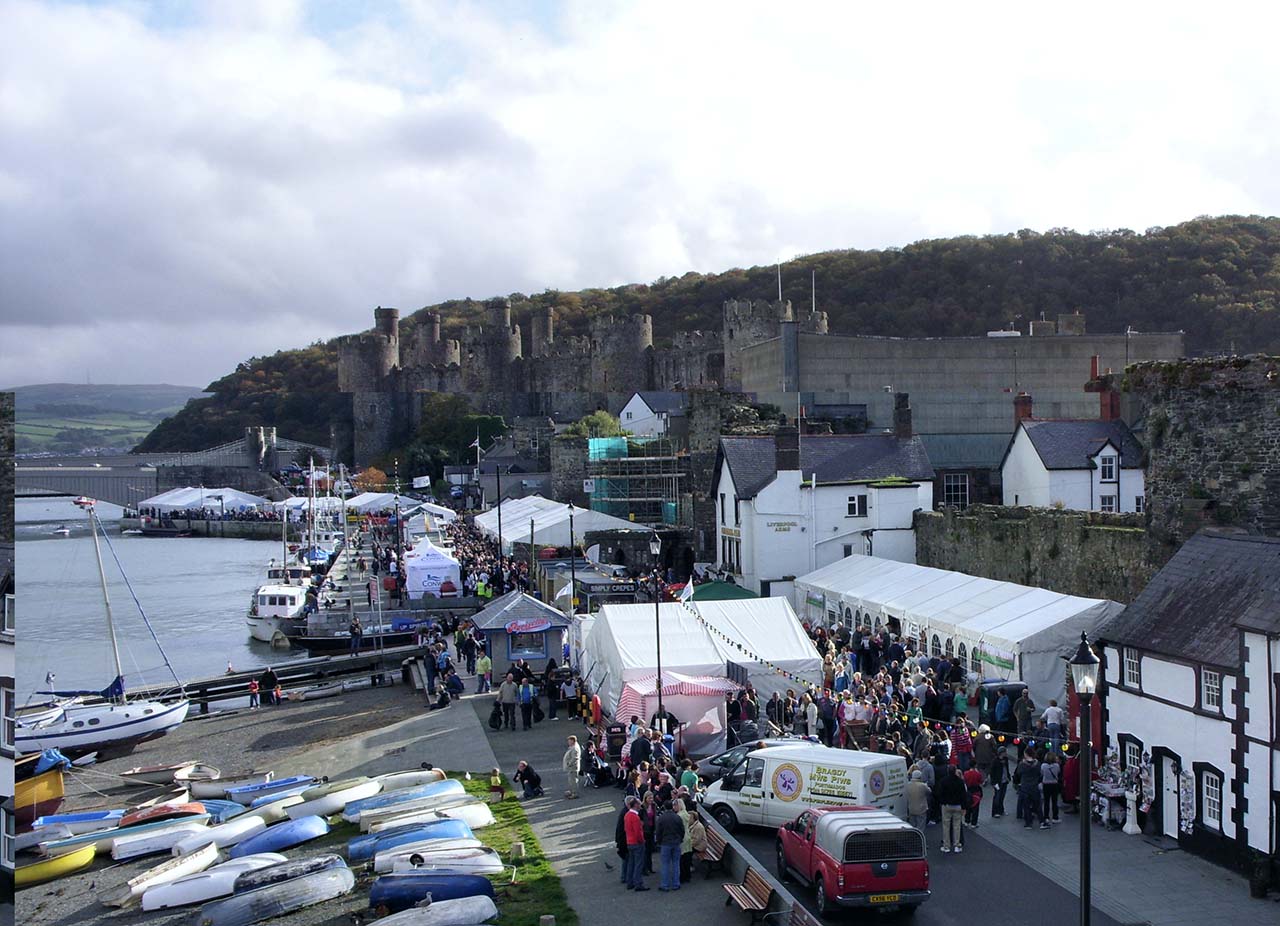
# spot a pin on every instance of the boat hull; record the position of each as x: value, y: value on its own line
x: 217, y: 787
x: 105, y: 839
x: 57, y: 867
x: 152, y: 775
x: 474, y: 813
x: 418, y: 796
x: 161, y: 812
x: 412, y: 778
x: 342, y: 644
x: 400, y: 891
x: 119, y: 726
x: 283, y: 836
x: 275, y: 811
x: 140, y: 844
x: 247, y: 794
x: 209, y: 884
x: 278, y: 899
x: 477, y: 861
x: 80, y: 823
x: 328, y: 804
x: 222, y: 836
x: 37, y: 796
x: 286, y: 871
x: 130, y: 892
x: 465, y: 911
x: 363, y: 848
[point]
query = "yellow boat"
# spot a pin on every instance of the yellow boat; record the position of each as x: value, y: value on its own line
x: 57, y: 867
x: 37, y: 796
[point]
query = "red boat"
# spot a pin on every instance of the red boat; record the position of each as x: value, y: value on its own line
x: 161, y: 812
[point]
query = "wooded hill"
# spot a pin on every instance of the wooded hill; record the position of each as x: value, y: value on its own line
x: 1217, y: 279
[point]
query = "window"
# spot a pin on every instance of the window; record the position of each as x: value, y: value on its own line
x: 1106, y: 503
x: 936, y: 646
x: 1139, y: 503
x: 975, y: 661
x: 6, y: 837
x: 1108, y: 467
x: 628, y: 416
x: 962, y: 655
x: 955, y: 490
x: 755, y: 773
x: 1211, y: 799
x: 527, y: 645
x: 724, y: 511
x: 848, y: 550
x: 1132, y: 668
x: 857, y: 506
x: 10, y: 614
x: 1132, y: 754
x: 737, y: 511
x: 1211, y: 690
x: 950, y: 648
x: 7, y: 710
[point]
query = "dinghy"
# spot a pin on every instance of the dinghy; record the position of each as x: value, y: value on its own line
x: 396, y: 892
x: 400, y: 781
x: 223, y: 836
x: 222, y: 811
x: 161, y: 812
x: 277, y: 899
x: 86, y: 822
x: 425, y: 810
x: 162, y: 840
x: 283, y: 836
x: 206, y: 885
x: 421, y: 792
x: 175, y: 868
x: 333, y: 798
x: 478, y: 861
x: 465, y: 911
x: 197, y: 772
x: 274, y: 811
x: 148, y: 775
x: 105, y: 839
x: 57, y: 867
x: 276, y: 795
x: 217, y: 787
x: 476, y: 814
x: 30, y: 842
x: 363, y: 848
x: 316, y: 692
x: 286, y: 871
x: 247, y: 794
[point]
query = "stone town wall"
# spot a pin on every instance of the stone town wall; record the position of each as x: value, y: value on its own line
x: 1213, y: 436
x: 568, y: 469
x: 1084, y: 553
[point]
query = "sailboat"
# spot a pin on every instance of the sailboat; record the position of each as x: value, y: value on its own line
x: 106, y: 720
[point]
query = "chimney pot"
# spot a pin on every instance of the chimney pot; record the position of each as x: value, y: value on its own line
x: 1021, y: 408
x: 901, y: 416
x: 787, y: 449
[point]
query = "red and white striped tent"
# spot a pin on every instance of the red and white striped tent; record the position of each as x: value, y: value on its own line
x: 697, y: 701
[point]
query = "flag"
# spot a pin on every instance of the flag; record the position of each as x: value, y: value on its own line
x: 565, y: 590
x: 475, y: 443
x: 686, y: 594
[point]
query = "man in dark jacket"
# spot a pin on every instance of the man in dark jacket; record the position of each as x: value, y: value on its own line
x: 530, y: 780
x: 620, y: 840
x: 1027, y: 778
x: 954, y: 798
x: 669, y: 834
x: 641, y: 750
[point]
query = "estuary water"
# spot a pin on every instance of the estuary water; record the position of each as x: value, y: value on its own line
x: 194, y: 590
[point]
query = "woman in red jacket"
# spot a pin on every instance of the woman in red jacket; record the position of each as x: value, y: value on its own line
x: 973, y: 782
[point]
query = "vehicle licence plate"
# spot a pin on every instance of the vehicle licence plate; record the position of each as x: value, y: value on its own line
x: 885, y: 898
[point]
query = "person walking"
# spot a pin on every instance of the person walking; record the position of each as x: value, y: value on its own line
x: 508, y: 693
x: 572, y: 765
x: 484, y: 668
x: 253, y: 694
x: 1027, y: 778
x: 998, y: 775
x: 527, y: 695
x: 684, y: 808
x: 669, y: 835
x: 1051, y: 787
x: 634, y: 835
x: 918, y: 794
x: 973, y: 784
x: 356, y: 629
x: 952, y: 795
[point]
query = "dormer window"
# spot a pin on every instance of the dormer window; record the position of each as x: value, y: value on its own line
x: 1108, y: 467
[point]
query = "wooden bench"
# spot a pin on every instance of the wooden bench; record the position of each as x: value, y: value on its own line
x: 752, y: 894
x: 802, y: 917
x: 713, y: 855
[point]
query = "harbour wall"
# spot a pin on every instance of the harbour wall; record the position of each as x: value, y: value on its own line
x: 242, y: 530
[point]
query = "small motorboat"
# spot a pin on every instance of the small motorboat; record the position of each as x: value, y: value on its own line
x: 479, y: 860
x: 148, y: 775
x: 402, y: 890
x: 205, y: 885
x: 196, y: 771
x: 247, y: 794
x: 278, y: 899
x: 222, y: 836
x: 362, y: 848
x: 409, y: 798
x: 217, y: 787
x: 56, y: 867
x: 286, y: 871
x: 332, y: 797
x: 283, y: 836
x: 62, y: 531
x: 161, y: 812
x: 77, y: 823
x: 160, y: 840
x: 175, y: 868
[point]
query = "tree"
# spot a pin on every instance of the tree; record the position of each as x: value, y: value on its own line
x: 597, y: 424
x: 371, y: 480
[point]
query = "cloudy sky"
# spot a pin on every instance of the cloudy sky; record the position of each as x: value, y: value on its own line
x: 185, y: 184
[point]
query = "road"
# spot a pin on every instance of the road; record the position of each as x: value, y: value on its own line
x: 985, y: 886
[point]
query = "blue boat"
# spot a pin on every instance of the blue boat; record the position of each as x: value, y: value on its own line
x: 405, y: 889
x: 436, y: 789
x: 222, y: 811
x: 276, y: 795
x: 245, y: 794
x: 363, y: 848
x: 285, y: 871
x: 81, y: 822
x: 282, y: 836
x: 103, y: 838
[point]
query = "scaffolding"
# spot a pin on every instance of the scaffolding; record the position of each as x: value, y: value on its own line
x: 639, y: 479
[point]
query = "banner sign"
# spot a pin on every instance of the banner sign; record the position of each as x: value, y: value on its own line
x: 532, y: 625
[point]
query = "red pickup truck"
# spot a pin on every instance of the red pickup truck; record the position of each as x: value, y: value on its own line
x: 858, y: 857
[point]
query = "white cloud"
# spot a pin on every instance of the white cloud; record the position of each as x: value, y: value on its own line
x: 249, y: 176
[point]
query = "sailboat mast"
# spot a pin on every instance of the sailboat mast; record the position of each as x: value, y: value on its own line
x: 94, y: 525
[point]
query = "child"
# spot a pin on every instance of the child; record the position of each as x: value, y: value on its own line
x: 497, y: 790
x: 253, y: 694
x: 278, y: 694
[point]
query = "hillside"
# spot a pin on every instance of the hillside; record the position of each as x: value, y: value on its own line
x: 1218, y: 279
x: 71, y: 417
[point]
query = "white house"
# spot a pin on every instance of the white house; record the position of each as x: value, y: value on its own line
x: 650, y: 414
x: 1084, y: 464
x: 786, y: 505
x: 1191, y: 681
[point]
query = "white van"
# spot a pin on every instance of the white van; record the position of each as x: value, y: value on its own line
x: 770, y: 786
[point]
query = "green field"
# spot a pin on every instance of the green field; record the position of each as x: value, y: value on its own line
x: 63, y: 418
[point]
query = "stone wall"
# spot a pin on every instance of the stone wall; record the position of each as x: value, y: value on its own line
x: 234, y: 477
x: 1213, y: 437
x: 568, y: 469
x: 1082, y: 553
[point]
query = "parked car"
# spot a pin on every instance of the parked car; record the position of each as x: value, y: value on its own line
x: 858, y: 857
x: 714, y: 767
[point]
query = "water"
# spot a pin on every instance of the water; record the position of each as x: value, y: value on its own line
x: 195, y: 591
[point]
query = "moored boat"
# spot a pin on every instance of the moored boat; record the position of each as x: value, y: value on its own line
x: 206, y: 885
x: 274, y: 611
x: 278, y: 899
x: 56, y: 867
x: 283, y: 836
x: 175, y: 868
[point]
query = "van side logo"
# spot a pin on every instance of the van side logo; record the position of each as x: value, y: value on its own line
x: 875, y: 784
x: 787, y: 782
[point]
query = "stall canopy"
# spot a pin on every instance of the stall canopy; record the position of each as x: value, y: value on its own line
x: 427, y: 567
x: 1003, y: 630
x: 698, y: 702
x: 721, y: 591
x: 189, y: 497
x: 299, y: 504
x: 440, y: 512
x: 381, y: 501
x: 550, y: 521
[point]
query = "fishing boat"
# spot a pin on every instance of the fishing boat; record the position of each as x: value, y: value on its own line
x: 247, y: 794
x: 148, y: 775
x: 332, y: 797
x: 161, y: 812
x: 217, y: 787
x: 363, y: 848
x: 478, y: 860
x: 396, y: 892
x: 283, y: 836
x: 36, y: 794
x: 286, y: 871
x: 222, y: 836
x: 56, y: 867
x: 205, y: 885
x: 464, y: 911
x: 275, y: 611
x: 449, y: 787
x: 163, y: 839
x: 113, y: 723
x: 278, y: 899
x: 132, y: 890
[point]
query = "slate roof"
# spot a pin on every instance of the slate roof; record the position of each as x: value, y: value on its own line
x: 673, y: 403
x: 1069, y: 443
x: 832, y: 459
x: 965, y: 451
x: 517, y: 606
x: 1214, y: 584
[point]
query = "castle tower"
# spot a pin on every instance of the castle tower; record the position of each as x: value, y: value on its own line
x: 542, y: 335
x: 747, y: 323
x: 489, y: 353
x: 366, y: 360
x: 621, y: 353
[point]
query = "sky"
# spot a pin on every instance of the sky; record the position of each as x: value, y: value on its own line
x: 185, y: 185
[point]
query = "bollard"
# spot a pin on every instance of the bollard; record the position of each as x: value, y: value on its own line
x: 517, y: 850
x: 1131, y: 814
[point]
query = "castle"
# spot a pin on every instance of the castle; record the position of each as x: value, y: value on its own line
x: 505, y: 373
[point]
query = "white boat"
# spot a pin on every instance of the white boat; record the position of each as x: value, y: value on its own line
x: 105, y: 838
x: 329, y: 804
x: 465, y: 911
x: 197, y: 771
x: 124, y: 848
x: 273, y: 611
x: 399, y: 781
x: 474, y: 813
x: 148, y: 775
x: 315, y: 692
x: 222, y: 836
x: 207, y: 885
x: 175, y: 868
x: 61, y: 532
x: 479, y: 860
x: 217, y: 787
x: 376, y: 819
x: 116, y: 723
x: 274, y: 811
x: 278, y: 899
x: 29, y: 842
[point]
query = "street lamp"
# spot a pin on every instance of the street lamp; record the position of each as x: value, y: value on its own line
x: 655, y: 547
x: 1084, y: 674
x: 573, y: 570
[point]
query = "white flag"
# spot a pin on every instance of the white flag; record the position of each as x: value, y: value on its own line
x: 565, y: 590
x: 475, y: 443
x: 686, y: 594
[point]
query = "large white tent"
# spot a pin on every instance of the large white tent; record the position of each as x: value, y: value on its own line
x: 298, y: 504
x: 1000, y: 629
x: 440, y: 512
x: 550, y: 521
x: 188, y: 497
x: 768, y: 628
x: 381, y: 501
x: 427, y: 567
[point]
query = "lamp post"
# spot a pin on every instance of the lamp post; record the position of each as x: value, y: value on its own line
x: 1084, y: 674
x: 573, y: 564
x: 655, y: 547
x: 497, y: 473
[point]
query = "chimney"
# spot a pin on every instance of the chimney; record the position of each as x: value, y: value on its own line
x: 1093, y: 366
x: 786, y: 442
x: 1021, y: 408
x: 901, y: 416
x: 1109, y: 400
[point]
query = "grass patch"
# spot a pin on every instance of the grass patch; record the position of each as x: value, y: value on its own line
x: 537, y: 890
